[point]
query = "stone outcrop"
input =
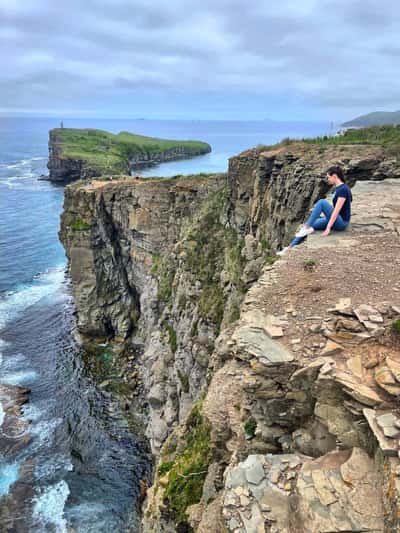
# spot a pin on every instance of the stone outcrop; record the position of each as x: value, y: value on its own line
x: 261, y: 412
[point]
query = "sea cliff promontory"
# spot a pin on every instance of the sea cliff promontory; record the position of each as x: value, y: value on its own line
x: 87, y: 153
x: 270, y: 386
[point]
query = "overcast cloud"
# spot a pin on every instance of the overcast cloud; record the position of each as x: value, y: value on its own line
x: 317, y: 59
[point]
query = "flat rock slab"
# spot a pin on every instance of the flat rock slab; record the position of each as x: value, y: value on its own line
x: 358, y: 391
x: 388, y: 446
x: 255, y: 342
x: 389, y: 423
x: 316, y: 240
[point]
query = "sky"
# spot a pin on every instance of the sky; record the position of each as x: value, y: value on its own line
x: 209, y: 59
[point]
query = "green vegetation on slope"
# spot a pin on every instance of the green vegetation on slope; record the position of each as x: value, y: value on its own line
x: 377, y: 118
x: 380, y: 135
x: 187, y: 472
x: 209, y: 247
x: 111, y: 153
x: 385, y: 136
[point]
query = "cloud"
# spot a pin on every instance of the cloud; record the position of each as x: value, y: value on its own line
x: 321, y: 57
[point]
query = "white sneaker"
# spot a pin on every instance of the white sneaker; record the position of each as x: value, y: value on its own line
x: 304, y: 231
x: 283, y: 251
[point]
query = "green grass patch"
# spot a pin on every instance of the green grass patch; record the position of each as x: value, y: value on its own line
x: 165, y: 467
x: 381, y: 135
x: 250, y: 427
x: 164, y: 270
x: 189, y: 470
x: 211, y: 248
x: 396, y: 326
x: 387, y: 136
x: 110, y: 153
x: 172, y: 339
x: 309, y: 265
x: 79, y: 225
x: 271, y: 259
x: 265, y: 245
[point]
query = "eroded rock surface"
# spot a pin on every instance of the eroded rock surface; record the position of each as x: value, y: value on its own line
x: 304, y: 370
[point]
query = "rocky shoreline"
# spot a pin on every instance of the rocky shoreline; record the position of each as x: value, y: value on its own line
x: 266, y: 388
x: 14, y: 437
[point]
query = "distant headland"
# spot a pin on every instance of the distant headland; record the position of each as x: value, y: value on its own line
x: 377, y: 118
x: 87, y: 153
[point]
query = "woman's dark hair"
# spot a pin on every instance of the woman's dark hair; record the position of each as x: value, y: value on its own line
x: 338, y: 171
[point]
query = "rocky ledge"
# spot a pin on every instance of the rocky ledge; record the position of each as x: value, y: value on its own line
x: 268, y: 385
x: 86, y: 153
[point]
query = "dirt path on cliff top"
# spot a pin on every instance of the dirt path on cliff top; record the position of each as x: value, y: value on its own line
x: 362, y: 263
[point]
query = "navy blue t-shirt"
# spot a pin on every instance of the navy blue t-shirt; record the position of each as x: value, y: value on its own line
x: 343, y: 191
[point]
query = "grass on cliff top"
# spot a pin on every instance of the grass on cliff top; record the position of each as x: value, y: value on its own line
x: 386, y: 136
x: 111, y: 152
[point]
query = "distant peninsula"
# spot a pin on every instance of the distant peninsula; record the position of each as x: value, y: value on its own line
x: 87, y: 153
x: 377, y: 118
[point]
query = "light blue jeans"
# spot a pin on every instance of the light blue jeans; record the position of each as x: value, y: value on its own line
x: 322, y: 207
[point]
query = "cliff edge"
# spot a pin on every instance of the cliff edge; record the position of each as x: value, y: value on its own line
x: 268, y: 385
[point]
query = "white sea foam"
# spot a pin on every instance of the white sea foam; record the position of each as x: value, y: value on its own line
x: 23, y: 377
x: 14, y: 363
x: 34, y: 412
x: 43, y: 285
x: 53, y: 465
x: 91, y: 517
x: 8, y: 476
x: 2, y: 414
x: 48, y: 507
x: 44, y: 431
x: 22, y: 163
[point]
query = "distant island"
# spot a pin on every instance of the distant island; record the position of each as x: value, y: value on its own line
x: 377, y: 118
x: 87, y: 153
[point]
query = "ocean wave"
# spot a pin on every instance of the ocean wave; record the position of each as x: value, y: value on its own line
x: 22, y: 162
x: 48, y: 509
x: 23, y: 377
x: 43, y: 285
x: 44, y: 431
x: 9, y: 474
x: 3, y: 344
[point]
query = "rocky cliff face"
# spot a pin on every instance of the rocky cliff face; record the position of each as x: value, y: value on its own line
x: 157, y: 157
x: 61, y: 169
x: 247, y: 411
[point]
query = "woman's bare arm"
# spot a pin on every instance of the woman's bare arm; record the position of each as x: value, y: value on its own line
x: 334, y: 215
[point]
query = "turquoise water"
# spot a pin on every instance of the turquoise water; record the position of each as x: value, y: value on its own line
x: 86, y: 466
x: 8, y: 476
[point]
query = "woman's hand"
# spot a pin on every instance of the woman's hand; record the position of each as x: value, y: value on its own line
x: 326, y: 232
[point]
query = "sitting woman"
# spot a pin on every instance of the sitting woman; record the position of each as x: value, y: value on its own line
x: 336, y: 217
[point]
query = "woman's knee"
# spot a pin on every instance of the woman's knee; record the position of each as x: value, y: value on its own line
x: 322, y: 202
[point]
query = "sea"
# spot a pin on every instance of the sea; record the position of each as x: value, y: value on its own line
x: 85, y: 464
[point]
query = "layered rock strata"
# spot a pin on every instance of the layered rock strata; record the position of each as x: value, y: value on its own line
x: 285, y: 401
